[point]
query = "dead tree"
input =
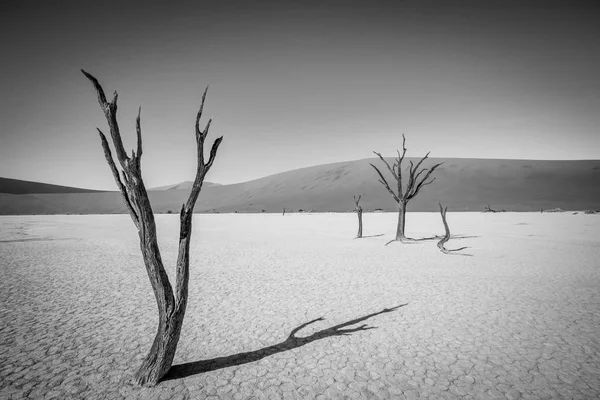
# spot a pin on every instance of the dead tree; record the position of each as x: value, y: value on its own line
x: 416, y: 180
x: 447, y: 236
x: 171, y: 305
x: 359, y: 214
x: 489, y: 209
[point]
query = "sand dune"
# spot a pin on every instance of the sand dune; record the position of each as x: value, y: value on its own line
x: 462, y: 185
x: 184, y: 185
x: 17, y: 186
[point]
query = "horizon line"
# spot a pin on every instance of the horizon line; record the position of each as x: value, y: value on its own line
x: 306, y: 167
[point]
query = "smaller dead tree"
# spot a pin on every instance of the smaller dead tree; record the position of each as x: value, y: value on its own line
x: 359, y: 214
x: 402, y: 195
x: 488, y: 209
x: 447, y: 236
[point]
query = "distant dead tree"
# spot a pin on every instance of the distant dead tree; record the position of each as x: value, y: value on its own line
x: 489, y: 209
x: 359, y: 214
x: 416, y: 180
x: 171, y: 306
x: 447, y: 236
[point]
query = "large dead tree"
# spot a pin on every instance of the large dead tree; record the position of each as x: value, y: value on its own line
x: 446, y: 237
x: 416, y: 180
x: 359, y: 214
x: 171, y: 305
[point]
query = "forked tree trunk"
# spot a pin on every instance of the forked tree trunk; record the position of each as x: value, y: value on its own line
x: 170, y: 312
x: 171, y: 305
x: 401, y: 221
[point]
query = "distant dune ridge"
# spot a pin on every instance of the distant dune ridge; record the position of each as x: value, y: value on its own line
x: 184, y: 185
x: 16, y: 186
x: 461, y: 185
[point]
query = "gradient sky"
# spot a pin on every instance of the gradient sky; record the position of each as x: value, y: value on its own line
x: 295, y: 83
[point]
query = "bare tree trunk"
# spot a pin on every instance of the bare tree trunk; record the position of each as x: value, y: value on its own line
x: 401, y: 221
x: 359, y: 213
x: 171, y: 304
x: 160, y: 358
x: 170, y: 312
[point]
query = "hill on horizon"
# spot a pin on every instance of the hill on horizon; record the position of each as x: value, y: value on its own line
x: 17, y: 186
x: 461, y: 185
x: 184, y: 185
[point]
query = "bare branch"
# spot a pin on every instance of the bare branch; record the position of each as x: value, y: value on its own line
x: 99, y: 90
x: 446, y: 237
x: 413, y: 175
x: 115, y: 172
x: 416, y: 177
x: 386, y: 164
x: 138, y: 130
x: 110, y: 112
x: 420, y: 162
x: 384, y: 182
x: 423, y: 182
x: 213, y: 153
x: 459, y: 249
x: 411, y: 179
x: 202, y: 168
x: 401, y: 158
x: 198, y: 132
x: 206, y: 128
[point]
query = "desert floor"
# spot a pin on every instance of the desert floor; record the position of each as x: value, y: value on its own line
x: 518, y: 319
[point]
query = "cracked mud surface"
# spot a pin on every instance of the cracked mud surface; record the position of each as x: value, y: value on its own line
x: 518, y: 320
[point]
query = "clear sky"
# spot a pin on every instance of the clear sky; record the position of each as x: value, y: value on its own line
x: 295, y: 83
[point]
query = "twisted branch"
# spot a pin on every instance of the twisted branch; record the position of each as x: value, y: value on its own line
x: 447, y: 236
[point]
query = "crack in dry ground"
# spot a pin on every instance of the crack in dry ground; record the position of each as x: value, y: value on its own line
x: 517, y: 320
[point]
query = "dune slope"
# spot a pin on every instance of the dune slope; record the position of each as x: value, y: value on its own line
x: 461, y: 184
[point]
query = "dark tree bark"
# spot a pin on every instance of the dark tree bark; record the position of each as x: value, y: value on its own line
x: 446, y: 237
x: 402, y: 195
x: 171, y: 305
x: 359, y: 214
x: 401, y: 221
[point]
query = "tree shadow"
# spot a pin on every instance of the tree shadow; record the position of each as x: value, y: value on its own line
x: 292, y: 342
x: 409, y: 240
x: 369, y: 236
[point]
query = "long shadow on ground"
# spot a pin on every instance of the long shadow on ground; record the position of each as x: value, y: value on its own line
x: 369, y: 236
x: 292, y: 342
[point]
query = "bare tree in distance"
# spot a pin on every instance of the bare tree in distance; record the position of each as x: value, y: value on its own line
x: 416, y: 180
x: 447, y: 236
x: 171, y: 305
x: 359, y: 214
